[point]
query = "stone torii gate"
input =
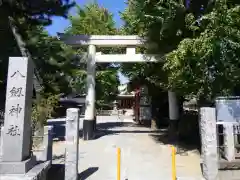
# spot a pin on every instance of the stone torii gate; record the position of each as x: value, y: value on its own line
x: 130, y: 42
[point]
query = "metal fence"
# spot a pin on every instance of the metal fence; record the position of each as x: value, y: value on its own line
x: 228, y: 139
x: 109, y: 112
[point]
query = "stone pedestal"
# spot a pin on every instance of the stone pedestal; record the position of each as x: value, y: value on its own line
x: 209, y: 152
x: 21, y: 167
x: 16, y: 157
x: 38, y: 172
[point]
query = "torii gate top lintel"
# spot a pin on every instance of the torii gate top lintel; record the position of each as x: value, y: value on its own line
x: 129, y: 41
x: 101, y: 40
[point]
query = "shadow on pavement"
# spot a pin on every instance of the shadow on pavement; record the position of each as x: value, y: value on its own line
x: 106, y: 129
x: 57, y: 172
x: 87, y: 173
x: 187, y: 137
x: 181, y: 146
x: 109, y: 125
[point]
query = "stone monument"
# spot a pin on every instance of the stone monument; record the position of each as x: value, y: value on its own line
x: 145, y: 113
x: 16, y: 157
x: 209, y: 143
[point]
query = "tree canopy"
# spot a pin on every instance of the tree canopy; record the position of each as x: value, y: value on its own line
x: 95, y: 20
x: 28, y: 18
x: 198, y: 41
x: 207, y: 65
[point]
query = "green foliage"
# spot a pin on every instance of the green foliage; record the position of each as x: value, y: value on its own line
x: 35, y: 12
x: 53, y: 60
x: 94, y: 20
x: 43, y: 109
x: 198, y: 41
x: 208, y: 65
x: 24, y: 21
x: 29, y: 17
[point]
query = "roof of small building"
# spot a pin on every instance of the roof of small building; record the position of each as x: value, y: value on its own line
x: 124, y: 90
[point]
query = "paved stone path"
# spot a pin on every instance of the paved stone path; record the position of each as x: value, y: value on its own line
x: 142, y: 157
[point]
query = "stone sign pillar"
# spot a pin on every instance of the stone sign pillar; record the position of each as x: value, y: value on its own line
x: 209, y: 152
x: 89, y: 122
x: 17, y: 122
x: 145, y: 113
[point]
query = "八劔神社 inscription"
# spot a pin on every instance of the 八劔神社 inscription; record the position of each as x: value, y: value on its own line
x: 16, y: 92
x: 13, y: 130
x: 15, y: 110
x: 17, y: 73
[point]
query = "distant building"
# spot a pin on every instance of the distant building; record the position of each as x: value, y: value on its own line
x: 71, y: 101
x: 125, y: 98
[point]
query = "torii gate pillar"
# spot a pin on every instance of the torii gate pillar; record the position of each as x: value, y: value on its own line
x: 89, y: 123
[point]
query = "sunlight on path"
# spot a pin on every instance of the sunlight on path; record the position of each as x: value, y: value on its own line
x: 142, y: 157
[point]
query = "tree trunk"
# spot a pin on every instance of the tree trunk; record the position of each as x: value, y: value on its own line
x: 173, y: 102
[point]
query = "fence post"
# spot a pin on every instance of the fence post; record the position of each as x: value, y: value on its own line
x: 47, y: 144
x: 208, y: 132
x: 229, y: 149
x: 72, y: 142
x: 1, y: 141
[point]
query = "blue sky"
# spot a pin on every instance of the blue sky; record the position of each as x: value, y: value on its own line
x: 114, y: 6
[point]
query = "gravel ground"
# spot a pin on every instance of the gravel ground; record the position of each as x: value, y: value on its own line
x: 143, y: 158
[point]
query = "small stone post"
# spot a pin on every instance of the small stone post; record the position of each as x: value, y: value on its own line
x: 17, y: 120
x: 47, y: 144
x: 229, y: 141
x: 72, y: 142
x: 209, y: 152
x: 89, y: 122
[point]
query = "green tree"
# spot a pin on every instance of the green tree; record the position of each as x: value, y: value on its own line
x: 162, y: 24
x: 18, y: 21
x: 53, y: 60
x: 24, y: 15
x: 208, y: 64
x: 22, y: 34
x: 198, y: 41
x: 95, y: 20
